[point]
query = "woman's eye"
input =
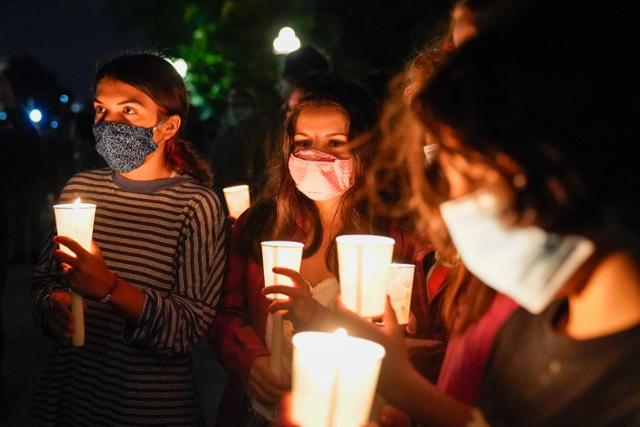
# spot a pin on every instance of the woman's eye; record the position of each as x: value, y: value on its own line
x: 128, y: 110
x: 336, y: 143
x: 99, y: 109
x: 302, y: 143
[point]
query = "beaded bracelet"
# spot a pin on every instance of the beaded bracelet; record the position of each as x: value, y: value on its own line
x: 114, y: 285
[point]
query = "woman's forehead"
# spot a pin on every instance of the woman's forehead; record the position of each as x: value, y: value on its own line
x: 322, y: 118
x: 112, y: 90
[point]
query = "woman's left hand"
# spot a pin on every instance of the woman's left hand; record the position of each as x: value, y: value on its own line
x: 299, y: 305
x: 86, y: 272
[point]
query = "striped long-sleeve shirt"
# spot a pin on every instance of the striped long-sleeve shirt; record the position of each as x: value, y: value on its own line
x: 166, y: 237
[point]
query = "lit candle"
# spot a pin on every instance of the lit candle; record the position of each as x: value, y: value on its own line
x: 75, y: 220
x: 279, y: 254
x: 363, y: 263
x: 334, y: 379
x: 399, y: 286
x: 238, y: 199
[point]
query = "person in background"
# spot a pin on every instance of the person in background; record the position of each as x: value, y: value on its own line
x: 223, y: 156
x: 152, y: 279
x: 257, y: 139
x: 311, y: 199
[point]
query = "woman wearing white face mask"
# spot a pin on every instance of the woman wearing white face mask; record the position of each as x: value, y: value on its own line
x: 324, y: 156
x: 540, y: 211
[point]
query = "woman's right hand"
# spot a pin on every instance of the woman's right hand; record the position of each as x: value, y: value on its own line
x: 57, y: 316
x: 298, y: 307
x: 263, y: 384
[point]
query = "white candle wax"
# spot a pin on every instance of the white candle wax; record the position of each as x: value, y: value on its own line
x: 399, y: 286
x: 237, y: 198
x: 363, y: 262
x: 276, y: 344
x: 279, y: 254
x: 75, y: 220
x: 334, y: 379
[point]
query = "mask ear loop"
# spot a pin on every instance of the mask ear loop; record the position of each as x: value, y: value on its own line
x: 156, y: 128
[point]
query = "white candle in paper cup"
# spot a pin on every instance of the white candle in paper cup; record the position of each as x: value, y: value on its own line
x: 279, y: 254
x: 399, y: 286
x: 75, y: 220
x: 363, y: 263
x: 334, y: 379
x: 238, y: 199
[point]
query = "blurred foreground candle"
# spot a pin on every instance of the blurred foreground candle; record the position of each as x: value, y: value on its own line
x: 238, y: 199
x: 279, y: 254
x: 75, y: 220
x: 334, y: 379
x: 399, y: 286
x: 363, y: 262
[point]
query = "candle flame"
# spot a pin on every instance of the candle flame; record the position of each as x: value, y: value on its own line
x: 78, y: 201
x: 340, y: 332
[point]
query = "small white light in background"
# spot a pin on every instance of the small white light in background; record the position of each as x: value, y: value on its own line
x: 286, y: 42
x: 180, y: 65
x: 35, y: 115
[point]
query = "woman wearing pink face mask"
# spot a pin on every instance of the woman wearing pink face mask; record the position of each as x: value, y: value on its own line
x: 327, y: 148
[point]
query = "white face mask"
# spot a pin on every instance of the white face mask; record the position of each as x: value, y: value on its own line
x: 430, y: 151
x: 525, y: 263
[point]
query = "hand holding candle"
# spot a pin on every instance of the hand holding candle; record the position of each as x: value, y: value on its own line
x: 75, y: 221
x: 279, y: 254
x: 299, y: 304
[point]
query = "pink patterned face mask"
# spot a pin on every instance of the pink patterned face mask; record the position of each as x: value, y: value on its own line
x: 319, y: 175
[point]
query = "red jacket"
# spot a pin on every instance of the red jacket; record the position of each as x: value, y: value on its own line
x: 238, y: 333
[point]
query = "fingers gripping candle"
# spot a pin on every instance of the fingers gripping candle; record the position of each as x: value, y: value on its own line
x: 279, y: 254
x: 75, y: 220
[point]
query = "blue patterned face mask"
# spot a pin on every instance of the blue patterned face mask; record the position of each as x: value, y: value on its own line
x: 124, y: 147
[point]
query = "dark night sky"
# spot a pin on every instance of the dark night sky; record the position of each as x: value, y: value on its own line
x: 68, y: 36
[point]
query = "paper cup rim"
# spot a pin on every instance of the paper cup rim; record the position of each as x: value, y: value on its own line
x: 401, y: 265
x: 235, y: 188
x: 75, y: 206
x: 281, y: 244
x: 365, y: 239
x: 376, y: 349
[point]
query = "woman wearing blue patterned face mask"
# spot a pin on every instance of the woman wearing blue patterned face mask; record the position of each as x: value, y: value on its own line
x: 129, y: 127
x: 152, y: 278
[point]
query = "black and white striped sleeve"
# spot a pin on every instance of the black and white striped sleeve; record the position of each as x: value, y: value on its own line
x: 172, y: 323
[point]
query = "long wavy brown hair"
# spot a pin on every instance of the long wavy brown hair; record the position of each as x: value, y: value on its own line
x: 282, y: 211
x: 402, y: 187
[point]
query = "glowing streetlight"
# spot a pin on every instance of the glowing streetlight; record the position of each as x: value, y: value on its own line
x: 286, y: 42
x: 180, y: 65
x: 64, y: 98
x: 35, y: 115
